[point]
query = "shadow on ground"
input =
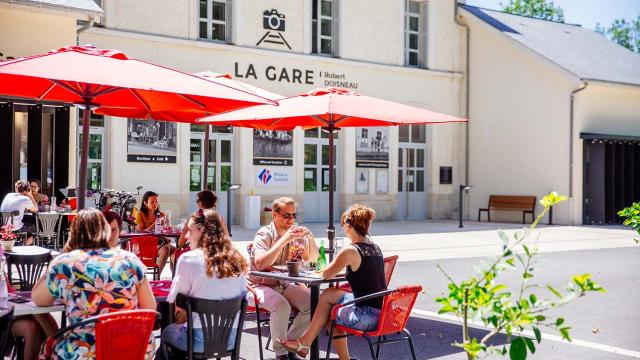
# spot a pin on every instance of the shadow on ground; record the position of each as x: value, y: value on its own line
x: 431, y: 339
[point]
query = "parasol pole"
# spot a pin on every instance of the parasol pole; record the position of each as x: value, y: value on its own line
x: 331, y: 230
x: 205, y: 159
x: 84, y: 155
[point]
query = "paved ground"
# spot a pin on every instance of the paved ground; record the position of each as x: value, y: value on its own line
x: 603, y: 325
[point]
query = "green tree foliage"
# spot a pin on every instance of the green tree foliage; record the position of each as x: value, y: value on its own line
x: 632, y: 217
x: 539, y: 9
x: 623, y: 33
x: 520, y: 312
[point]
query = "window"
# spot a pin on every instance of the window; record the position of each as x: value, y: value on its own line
x: 214, y: 20
x: 324, y: 23
x: 414, y: 34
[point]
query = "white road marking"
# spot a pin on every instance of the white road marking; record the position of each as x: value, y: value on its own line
x: 588, y: 344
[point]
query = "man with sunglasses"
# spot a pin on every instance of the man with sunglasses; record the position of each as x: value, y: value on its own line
x: 271, y: 247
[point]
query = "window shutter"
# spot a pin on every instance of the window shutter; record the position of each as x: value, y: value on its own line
x: 422, y: 38
x: 228, y: 18
x: 335, y: 28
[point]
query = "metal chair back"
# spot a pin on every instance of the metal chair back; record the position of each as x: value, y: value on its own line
x: 218, y: 318
x: 29, y: 268
x: 7, y: 217
x: 48, y: 227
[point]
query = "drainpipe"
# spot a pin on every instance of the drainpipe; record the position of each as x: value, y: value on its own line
x: 467, y: 96
x: 82, y: 29
x: 571, y: 121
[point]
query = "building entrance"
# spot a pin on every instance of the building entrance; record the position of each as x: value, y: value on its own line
x: 316, y: 176
x: 412, y: 173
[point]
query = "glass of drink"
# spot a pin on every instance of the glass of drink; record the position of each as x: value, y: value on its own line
x: 338, y: 245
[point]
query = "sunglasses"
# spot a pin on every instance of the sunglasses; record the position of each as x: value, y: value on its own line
x: 288, y: 216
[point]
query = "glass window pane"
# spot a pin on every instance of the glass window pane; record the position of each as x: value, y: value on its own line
x: 225, y: 151
x: 418, y: 134
x: 413, y: 41
x: 413, y: 23
x: 413, y: 59
x: 325, y: 27
x: 221, y: 129
x: 400, y: 151
x: 325, y: 46
x: 217, y: 11
x: 420, y: 158
x: 203, y: 9
x: 217, y: 32
x: 325, y: 179
x: 197, y: 127
x: 94, y: 175
x: 326, y: 8
x: 195, y: 153
x: 95, y: 146
x: 311, y: 133
x: 410, y: 157
x: 410, y: 180
x: 414, y: 7
x: 225, y: 177
x: 325, y: 154
x: 212, y: 152
x: 325, y: 134
x: 310, y: 179
x: 203, y: 30
x: 211, y: 178
x: 399, y: 180
x: 403, y: 133
x: 195, y: 177
x: 310, y: 154
x: 314, y: 11
x: 420, y: 180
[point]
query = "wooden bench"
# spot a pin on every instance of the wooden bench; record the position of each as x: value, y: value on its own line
x: 526, y: 204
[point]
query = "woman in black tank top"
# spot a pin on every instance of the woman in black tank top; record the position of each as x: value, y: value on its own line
x: 364, y: 265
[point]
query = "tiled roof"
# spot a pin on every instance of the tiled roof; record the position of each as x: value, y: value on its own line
x: 580, y: 51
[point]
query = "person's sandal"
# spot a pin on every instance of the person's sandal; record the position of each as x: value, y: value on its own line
x: 299, y: 350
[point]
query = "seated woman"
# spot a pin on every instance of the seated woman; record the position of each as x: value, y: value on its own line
x: 365, y: 274
x: 205, y: 199
x: 212, y: 270
x: 115, y: 223
x: 146, y: 221
x: 92, y: 279
x: 40, y: 198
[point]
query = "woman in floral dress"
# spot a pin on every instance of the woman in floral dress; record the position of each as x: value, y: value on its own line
x: 92, y: 279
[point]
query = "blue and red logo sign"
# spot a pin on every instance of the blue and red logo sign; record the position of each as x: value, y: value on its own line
x: 264, y: 176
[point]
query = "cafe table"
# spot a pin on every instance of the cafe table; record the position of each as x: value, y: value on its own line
x: 313, y: 281
x: 125, y: 236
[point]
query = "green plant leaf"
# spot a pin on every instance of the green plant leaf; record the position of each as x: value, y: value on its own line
x: 530, y: 345
x: 554, y: 291
x: 518, y: 349
x: 537, y: 333
x: 533, y: 298
x: 559, y: 321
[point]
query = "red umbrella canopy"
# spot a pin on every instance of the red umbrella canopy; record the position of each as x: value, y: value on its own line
x: 120, y: 86
x: 330, y: 106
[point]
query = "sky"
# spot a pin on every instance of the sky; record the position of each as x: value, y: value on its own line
x: 584, y: 12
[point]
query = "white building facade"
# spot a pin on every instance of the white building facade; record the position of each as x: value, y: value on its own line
x: 404, y: 51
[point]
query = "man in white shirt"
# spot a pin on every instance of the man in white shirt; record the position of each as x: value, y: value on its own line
x: 20, y: 201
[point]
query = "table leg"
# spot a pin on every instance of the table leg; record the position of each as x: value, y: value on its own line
x: 315, y: 295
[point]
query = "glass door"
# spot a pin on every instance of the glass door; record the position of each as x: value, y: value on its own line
x: 219, y: 165
x: 96, y: 159
x: 316, y: 175
x: 412, y: 171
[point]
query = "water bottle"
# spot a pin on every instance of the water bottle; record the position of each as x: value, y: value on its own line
x: 322, y: 258
x: 158, y: 227
x: 4, y: 290
x: 54, y: 205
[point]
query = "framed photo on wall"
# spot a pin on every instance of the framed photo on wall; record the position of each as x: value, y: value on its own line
x: 362, y: 181
x: 382, y: 181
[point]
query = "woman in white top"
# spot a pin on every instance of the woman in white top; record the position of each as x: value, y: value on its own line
x: 212, y: 270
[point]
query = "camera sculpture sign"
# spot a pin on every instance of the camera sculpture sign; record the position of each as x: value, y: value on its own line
x: 274, y: 23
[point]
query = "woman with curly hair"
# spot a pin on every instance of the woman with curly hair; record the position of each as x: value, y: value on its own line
x: 212, y: 270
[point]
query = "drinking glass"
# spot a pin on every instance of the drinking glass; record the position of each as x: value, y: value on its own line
x: 167, y: 216
x: 338, y: 245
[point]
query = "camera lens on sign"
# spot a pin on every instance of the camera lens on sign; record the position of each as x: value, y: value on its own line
x: 272, y: 20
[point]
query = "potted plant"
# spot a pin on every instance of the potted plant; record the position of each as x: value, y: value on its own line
x: 7, y: 237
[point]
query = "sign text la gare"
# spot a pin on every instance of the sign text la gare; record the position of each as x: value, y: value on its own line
x: 273, y: 73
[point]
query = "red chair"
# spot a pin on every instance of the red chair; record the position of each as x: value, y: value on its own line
x: 389, y: 266
x: 119, y: 335
x: 145, y: 247
x: 396, y: 309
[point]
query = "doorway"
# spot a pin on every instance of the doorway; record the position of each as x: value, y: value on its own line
x: 412, y: 173
x: 316, y: 176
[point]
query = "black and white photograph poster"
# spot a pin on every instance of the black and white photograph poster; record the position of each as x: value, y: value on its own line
x: 372, y: 147
x: 273, y: 147
x: 151, y: 141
